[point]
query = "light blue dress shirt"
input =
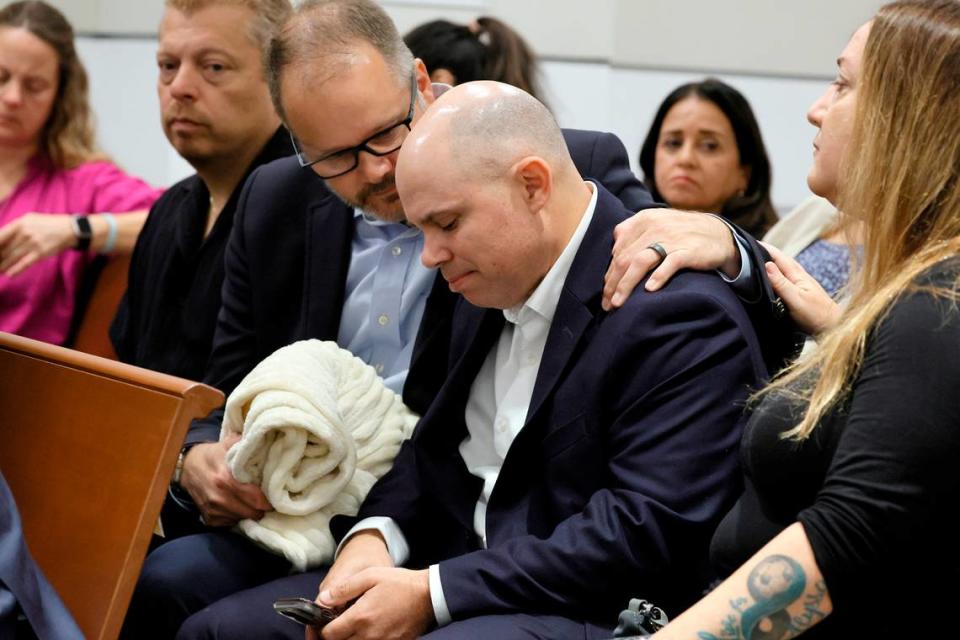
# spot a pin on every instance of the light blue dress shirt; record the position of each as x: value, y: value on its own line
x: 386, y: 294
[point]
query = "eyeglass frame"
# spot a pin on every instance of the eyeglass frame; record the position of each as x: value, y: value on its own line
x: 355, y: 150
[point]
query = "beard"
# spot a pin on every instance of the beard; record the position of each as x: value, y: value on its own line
x: 369, y: 201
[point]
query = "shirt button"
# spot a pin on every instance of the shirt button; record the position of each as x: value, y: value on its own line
x: 397, y: 251
x: 383, y: 320
x: 501, y: 425
x: 531, y: 360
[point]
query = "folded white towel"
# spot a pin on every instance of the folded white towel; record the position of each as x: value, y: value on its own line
x: 318, y: 428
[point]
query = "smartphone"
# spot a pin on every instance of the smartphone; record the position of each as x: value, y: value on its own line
x: 306, y: 612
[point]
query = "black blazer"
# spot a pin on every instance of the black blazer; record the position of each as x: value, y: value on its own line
x: 286, y: 270
x: 626, y: 463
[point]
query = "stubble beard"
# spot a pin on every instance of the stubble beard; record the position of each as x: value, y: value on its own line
x: 362, y: 201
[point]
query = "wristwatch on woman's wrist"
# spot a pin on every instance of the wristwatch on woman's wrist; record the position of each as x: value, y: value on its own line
x: 83, y: 231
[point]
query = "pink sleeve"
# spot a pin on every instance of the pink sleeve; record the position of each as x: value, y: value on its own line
x: 113, y: 191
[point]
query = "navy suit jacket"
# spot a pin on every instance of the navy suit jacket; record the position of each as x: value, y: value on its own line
x: 286, y: 270
x: 626, y: 463
x: 22, y: 584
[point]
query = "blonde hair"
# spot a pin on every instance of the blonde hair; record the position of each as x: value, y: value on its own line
x: 68, y: 138
x: 901, y: 182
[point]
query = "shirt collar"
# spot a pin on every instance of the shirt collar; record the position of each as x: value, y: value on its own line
x: 544, y: 299
x: 396, y: 229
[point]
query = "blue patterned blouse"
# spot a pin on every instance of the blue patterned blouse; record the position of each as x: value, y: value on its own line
x: 828, y: 263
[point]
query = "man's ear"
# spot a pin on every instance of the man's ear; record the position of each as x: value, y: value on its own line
x: 535, y: 178
x: 424, y: 84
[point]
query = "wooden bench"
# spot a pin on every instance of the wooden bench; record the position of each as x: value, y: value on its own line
x: 88, y: 448
x: 100, y: 293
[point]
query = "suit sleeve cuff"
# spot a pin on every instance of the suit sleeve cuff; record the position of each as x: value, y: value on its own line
x: 440, y: 610
x: 743, y: 284
x: 397, y: 545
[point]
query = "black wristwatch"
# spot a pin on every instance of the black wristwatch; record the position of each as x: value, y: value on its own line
x: 83, y: 231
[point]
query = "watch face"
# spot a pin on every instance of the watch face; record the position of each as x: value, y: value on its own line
x: 83, y: 231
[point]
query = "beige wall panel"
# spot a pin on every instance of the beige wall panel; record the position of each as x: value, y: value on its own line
x: 408, y: 17
x: 569, y: 29
x: 743, y: 36
x: 130, y: 16
x: 82, y: 14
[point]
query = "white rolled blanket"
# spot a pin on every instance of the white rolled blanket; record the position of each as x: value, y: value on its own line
x: 318, y: 428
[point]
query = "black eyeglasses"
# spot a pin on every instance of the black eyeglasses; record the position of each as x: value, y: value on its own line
x: 379, y: 144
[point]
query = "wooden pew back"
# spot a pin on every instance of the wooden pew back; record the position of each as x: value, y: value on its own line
x: 88, y: 446
x: 98, y: 306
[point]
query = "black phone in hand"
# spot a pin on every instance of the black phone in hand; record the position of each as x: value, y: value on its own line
x: 306, y: 612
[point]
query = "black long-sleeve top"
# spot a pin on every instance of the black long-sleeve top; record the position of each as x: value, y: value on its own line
x: 168, y: 315
x: 877, y: 485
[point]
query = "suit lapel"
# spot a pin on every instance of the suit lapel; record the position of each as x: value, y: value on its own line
x: 579, y: 301
x: 570, y: 321
x: 328, y: 236
x: 430, y: 360
x: 477, y: 330
x: 445, y: 425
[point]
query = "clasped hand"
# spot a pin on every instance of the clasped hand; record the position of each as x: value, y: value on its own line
x: 390, y: 603
x: 32, y: 237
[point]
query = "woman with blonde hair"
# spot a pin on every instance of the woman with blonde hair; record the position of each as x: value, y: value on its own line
x: 56, y: 190
x: 844, y: 530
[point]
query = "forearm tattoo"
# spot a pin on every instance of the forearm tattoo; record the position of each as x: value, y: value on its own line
x: 774, y: 584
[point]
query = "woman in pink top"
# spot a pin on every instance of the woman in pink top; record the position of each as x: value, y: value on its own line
x: 56, y: 191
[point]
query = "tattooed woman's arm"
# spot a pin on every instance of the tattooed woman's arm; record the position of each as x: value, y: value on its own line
x: 779, y: 593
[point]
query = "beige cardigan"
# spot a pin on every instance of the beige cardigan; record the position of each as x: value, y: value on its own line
x: 807, y: 222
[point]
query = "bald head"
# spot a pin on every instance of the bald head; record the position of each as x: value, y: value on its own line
x: 482, y: 129
x: 486, y: 175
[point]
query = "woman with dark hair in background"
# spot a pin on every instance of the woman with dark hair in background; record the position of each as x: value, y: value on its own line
x: 487, y: 49
x: 55, y: 188
x: 704, y: 152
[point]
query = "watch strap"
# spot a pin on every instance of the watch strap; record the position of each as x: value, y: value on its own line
x: 178, y: 470
x: 83, y: 231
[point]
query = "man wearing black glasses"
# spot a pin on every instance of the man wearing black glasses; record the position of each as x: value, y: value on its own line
x: 319, y: 249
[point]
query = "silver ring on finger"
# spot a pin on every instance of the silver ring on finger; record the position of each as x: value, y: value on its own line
x: 656, y: 246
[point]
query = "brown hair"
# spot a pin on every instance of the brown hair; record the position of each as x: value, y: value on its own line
x: 510, y: 59
x: 68, y: 137
x: 900, y: 179
x: 322, y: 28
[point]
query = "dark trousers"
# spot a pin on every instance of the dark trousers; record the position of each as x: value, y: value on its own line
x: 248, y: 615
x: 185, y: 575
x: 220, y: 585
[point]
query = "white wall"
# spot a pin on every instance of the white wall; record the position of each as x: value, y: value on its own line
x: 630, y: 98
x: 607, y: 65
x: 123, y: 93
x: 583, y: 95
